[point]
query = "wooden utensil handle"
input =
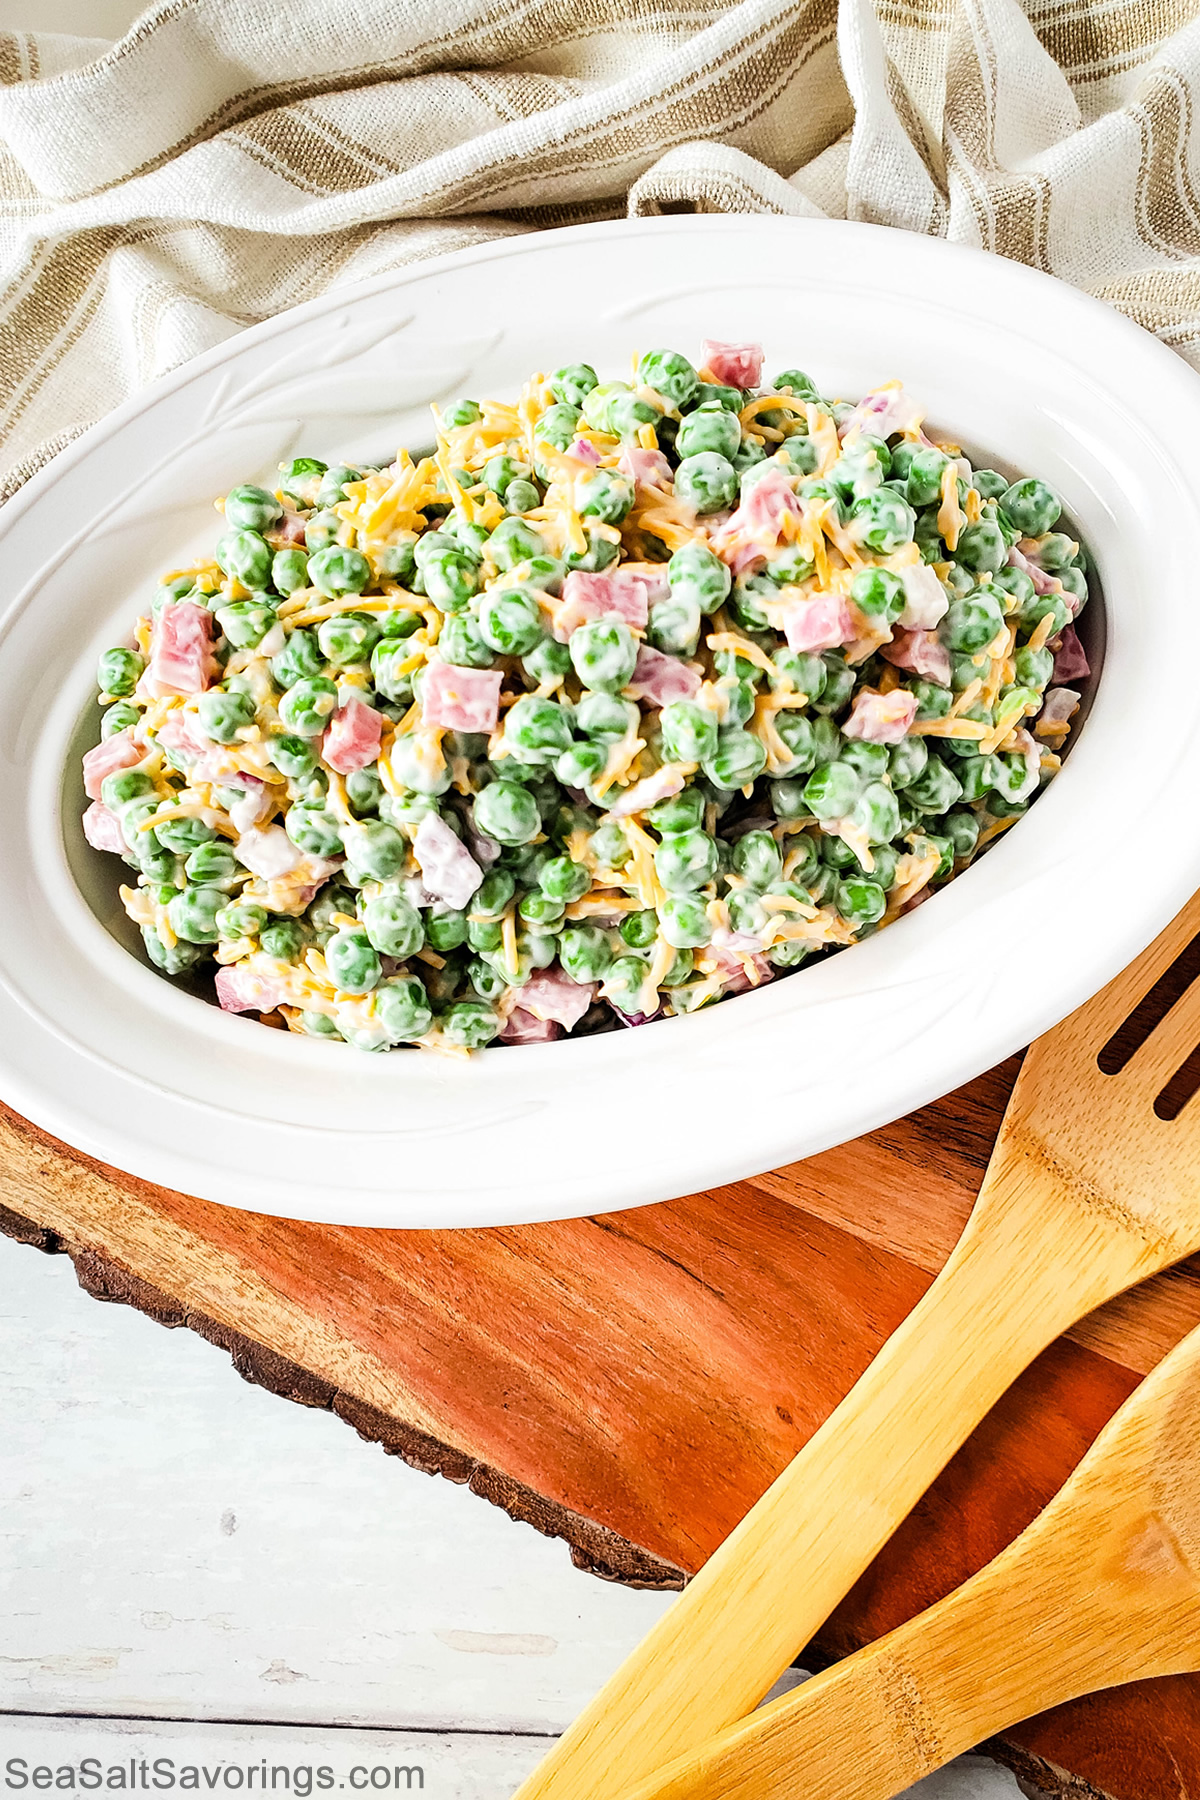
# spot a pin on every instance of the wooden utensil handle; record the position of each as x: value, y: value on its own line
x: 1003, y: 1295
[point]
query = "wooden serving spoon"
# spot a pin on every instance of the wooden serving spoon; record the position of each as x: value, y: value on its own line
x: 1102, y: 1588
x: 1088, y: 1191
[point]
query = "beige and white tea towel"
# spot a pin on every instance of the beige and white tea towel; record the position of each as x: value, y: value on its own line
x: 227, y: 158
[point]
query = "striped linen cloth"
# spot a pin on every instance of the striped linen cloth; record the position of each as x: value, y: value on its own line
x: 227, y: 158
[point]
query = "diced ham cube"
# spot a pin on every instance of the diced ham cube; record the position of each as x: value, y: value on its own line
x: 1043, y: 583
x: 121, y: 751
x: 660, y: 678
x: 612, y: 593
x: 882, y: 412
x: 821, y: 623
x: 447, y: 867
x: 733, y: 966
x: 243, y: 989
x: 661, y: 785
x: 102, y: 829
x: 268, y: 854
x: 881, y: 718
x: 254, y: 804
x: 182, y: 731
x: 1059, y: 705
x: 550, y: 994
x: 521, y: 1027
x: 584, y: 451
x: 291, y: 528
x: 1070, y: 659
x: 926, y: 601
x: 646, y: 468
x: 754, y: 530
x: 461, y: 699
x: 921, y: 653
x: 181, y: 651
x: 736, y: 365
x: 351, y: 739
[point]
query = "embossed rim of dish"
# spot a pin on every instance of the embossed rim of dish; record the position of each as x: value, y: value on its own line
x: 104, y: 1053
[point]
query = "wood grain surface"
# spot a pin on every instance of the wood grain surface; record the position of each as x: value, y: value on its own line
x: 632, y: 1382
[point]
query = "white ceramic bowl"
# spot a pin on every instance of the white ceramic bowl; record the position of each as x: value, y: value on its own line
x: 98, y: 1049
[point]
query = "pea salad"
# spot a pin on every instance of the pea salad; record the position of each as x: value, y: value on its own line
x: 628, y: 697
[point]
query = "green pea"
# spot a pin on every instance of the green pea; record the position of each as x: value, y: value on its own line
x: 707, y: 482
x: 558, y: 425
x: 499, y: 471
x: 624, y: 983
x: 936, y: 788
x: 606, y: 496
x: 933, y: 700
x: 598, y: 555
x: 284, y: 939
x: 871, y: 760
x: 393, y: 926
x: 462, y: 412
x: 982, y: 547
x: 240, y: 919
x: 299, y: 475
x: 988, y: 484
x: 695, y: 573
x: 471, y: 1024
x: 686, y: 860
x: 1015, y: 587
x: 175, y: 961
x: 540, y: 910
x: 879, y: 594
x: 928, y: 537
x: 213, y: 865
x: 352, y: 961
x: 547, y: 661
x: 603, y: 653
x: 877, y: 813
x: 1075, y: 582
x: 321, y: 531
x: 799, y: 736
x: 907, y: 760
x: 306, y: 707
x: 628, y: 412
x: 347, y: 638
x: 581, y: 765
x: 511, y: 621
x: 118, y: 671
x: 674, y: 626
x: 573, y: 383
x: 313, y: 829
x: 247, y: 557
x: 1056, y: 551
x: 118, y: 718
x: 839, y: 684
x: 746, y: 601
x: 445, y: 929
x: 246, y: 622
x: 836, y: 853
x: 377, y: 850
x: 860, y: 469
x: 717, y: 393
x: 610, y: 846
x: 923, y: 484
x: 710, y: 427
x: 418, y: 771
x: 182, y: 834
x: 757, y: 859
x: 787, y: 799
x: 670, y: 375
x: 397, y: 561
x: 738, y: 761
x: 537, y: 730
x: 832, y: 790
x: 585, y: 953
x: 681, y: 812
x: 364, y: 790
x: 193, y: 914
x: 387, y: 658
x: 563, y: 881
x: 882, y: 520
x: 639, y: 929
x: 300, y: 657
x: 803, y: 850
x: 462, y: 643
x: 971, y: 624
x: 797, y: 383
x: 1031, y: 506
x: 319, y: 1024
x: 689, y: 732
x: 293, y: 757
x: 252, y: 508
x: 1033, y: 668
x: 1012, y: 779
x: 684, y: 922
x: 974, y: 776
x: 962, y: 829
x: 860, y: 902
x: 124, y: 785
x: 1032, y: 614
x: 507, y: 812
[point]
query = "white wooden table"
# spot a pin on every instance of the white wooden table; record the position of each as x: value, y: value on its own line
x: 192, y: 1569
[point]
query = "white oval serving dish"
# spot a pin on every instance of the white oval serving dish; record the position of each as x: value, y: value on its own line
x: 98, y: 1049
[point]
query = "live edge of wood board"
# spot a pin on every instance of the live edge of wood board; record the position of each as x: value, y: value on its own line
x: 631, y: 1382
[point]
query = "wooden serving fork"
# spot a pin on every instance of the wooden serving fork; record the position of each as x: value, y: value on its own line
x: 1088, y: 1191
x: 1102, y: 1588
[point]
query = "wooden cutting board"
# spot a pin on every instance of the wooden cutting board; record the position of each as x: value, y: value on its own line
x: 632, y: 1382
